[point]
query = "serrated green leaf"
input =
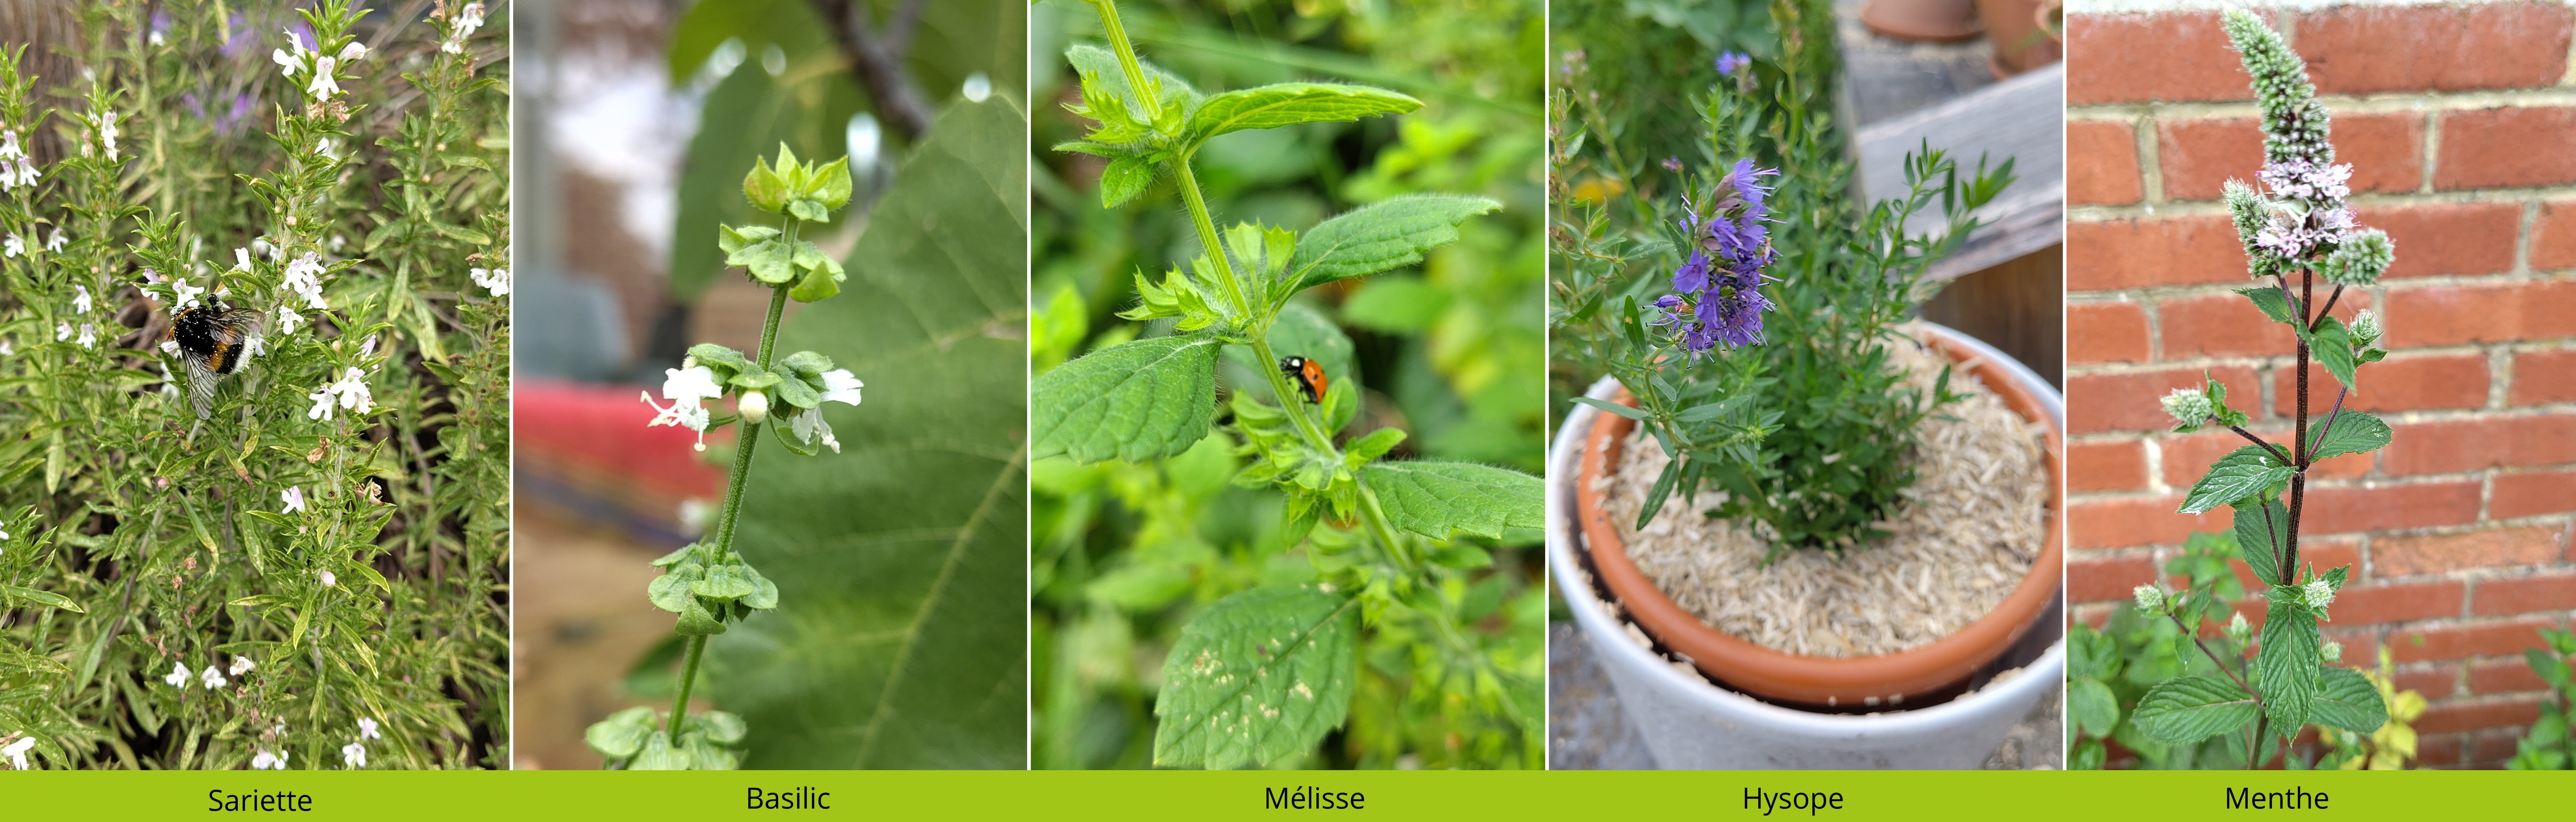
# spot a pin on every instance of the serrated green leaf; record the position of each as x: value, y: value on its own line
x: 2242, y: 473
x: 1375, y: 445
x: 764, y: 593
x: 1260, y: 676
x: 720, y: 727
x: 1284, y: 104
x: 724, y: 582
x: 699, y: 620
x: 2285, y: 668
x: 764, y: 187
x: 1125, y: 178
x: 622, y: 734
x: 2186, y: 710
x: 2090, y: 704
x: 2351, y: 432
x: 1134, y: 401
x: 831, y: 185
x: 2271, y: 302
x: 2332, y: 345
x: 1380, y: 236
x: 808, y: 210
x: 670, y: 591
x: 769, y: 261
x: 2347, y: 700
x: 2259, y: 539
x: 1436, y: 499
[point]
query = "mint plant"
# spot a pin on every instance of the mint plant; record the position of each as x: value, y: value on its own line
x: 2298, y: 226
x: 1262, y: 675
x: 2549, y: 746
x: 706, y: 583
x: 254, y: 376
x: 1757, y: 347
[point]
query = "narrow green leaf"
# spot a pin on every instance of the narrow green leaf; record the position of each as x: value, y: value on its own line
x: 1260, y: 676
x: 1134, y: 401
x: 1384, y: 235
x: 45, y: 598
x: 2259, y: 540
x: 2351, y: 432
x: 2242, y: 473
x: 2285, y: 669
x: 2186, y: 710
x: 1435, y: 499
x: 2347, y: 700
x: 1283, y: 104
x: 1615, y: 408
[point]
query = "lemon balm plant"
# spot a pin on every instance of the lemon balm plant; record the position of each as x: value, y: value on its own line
x: 2296, y: 230
x: 1262, y: 675
x: 707, y: 583
x: 253, y: 391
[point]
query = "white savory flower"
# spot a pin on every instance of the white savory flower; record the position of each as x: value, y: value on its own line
x: 266, y: 761
x: 5, y: 350
x: 13, y: 246
x: 322, y: 402
x: 80, y: 299
x: 809, y: 423
x: 17, y: 751
x: 323, y: 86
x: 88, y: 333
x: 467, y: 20
x: 178, y: 677
x: 368, y: 348
x: 107, y: 134
x: 62, y: 331
x: 352, y: 52
x: 213, y: 678
x: 256, y: 346
x: 840, y: 386
x: 291, y: 60
x: 241, y: 259
x: 294, y: 497
x: 56, y: 242
x: 2150, y: 597
x: 367, y: 729
x: 186, y: 294
x: 170, y: 346
x: 353, y: 754
x: 352, y: 389
x: 286, y: 318
x: 304, y: 276
x: 323, y: 148
x: 330, y: 580
x: 496, y: 279
x: 243, y: 665
x: 26, y: 171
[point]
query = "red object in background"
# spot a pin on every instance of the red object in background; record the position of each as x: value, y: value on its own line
x: 586, y: 444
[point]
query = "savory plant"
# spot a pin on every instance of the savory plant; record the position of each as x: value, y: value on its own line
x: 2300, y: 226
x: 1760, y: 363
x: 707, y: 583
x: 254, y: 432
x: 1262, y: 675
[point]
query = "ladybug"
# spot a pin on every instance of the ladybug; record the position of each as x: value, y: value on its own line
x: 1308, y: 375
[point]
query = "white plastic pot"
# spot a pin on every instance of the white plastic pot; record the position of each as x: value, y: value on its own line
x: 1689, y: 723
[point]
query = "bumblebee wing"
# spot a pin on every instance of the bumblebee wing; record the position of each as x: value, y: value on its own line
x: 201, y: 381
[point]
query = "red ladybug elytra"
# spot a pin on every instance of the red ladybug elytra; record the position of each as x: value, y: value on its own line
x: 1307, y: 374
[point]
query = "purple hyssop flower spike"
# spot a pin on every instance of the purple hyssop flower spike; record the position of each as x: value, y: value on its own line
x: 1724, y: 274
x: 1731, y: 62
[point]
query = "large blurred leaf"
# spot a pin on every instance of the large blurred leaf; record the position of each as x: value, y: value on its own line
x: 899, y: 640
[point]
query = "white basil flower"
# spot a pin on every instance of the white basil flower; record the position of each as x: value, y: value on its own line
x: 840, y: 386
x: 809, y: 423
x: 690, y: 385
x: 685, y: 414
x: 178, y: 677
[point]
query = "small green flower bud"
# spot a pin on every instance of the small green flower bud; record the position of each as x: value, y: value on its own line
x: 2238, y: 629
x: 2333, y: 651
x: 2189, y: 408
x: 755, y: 407
x: 2150, y: 598
x: 2359, y: 259
x: 2317, y: 594
x: 2365, y: 329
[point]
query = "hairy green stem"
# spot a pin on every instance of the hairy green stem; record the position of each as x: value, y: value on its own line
x: 1127, y: 60
x: 688, y: 677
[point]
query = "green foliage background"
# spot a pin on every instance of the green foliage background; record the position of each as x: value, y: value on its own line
x: 1124, y: 554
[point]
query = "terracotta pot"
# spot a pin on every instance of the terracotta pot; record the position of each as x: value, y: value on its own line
x: 1939, y: 668
x: 2020, y: 42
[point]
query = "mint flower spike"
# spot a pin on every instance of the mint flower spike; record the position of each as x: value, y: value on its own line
x: 2190, y: 408
x: 2365, y: 329
x: 2150, y: 598
x: 2294, y: 123
x: 2238, y: 629
x: 2359, y: 259
x: 2317, y: 594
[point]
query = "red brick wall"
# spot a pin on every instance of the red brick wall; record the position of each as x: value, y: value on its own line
x: 2462, y: 124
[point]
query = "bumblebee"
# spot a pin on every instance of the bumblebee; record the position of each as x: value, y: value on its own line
x: 1308, y: 375
x: 211, y: 337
